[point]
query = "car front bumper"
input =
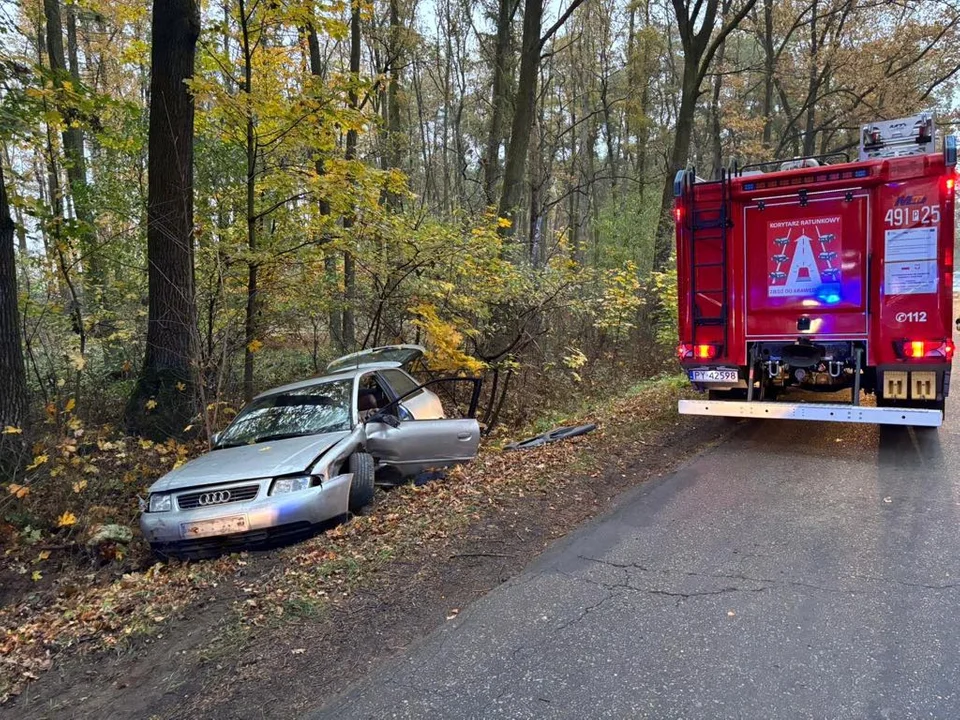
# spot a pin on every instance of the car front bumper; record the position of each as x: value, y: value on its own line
x: 267, y: 516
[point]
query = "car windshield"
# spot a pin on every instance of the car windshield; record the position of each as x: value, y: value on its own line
x: 315, y: 409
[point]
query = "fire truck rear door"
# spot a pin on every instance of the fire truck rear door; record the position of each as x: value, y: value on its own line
x: 806, y: 260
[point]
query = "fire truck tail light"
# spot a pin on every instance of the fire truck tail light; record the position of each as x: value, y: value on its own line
x: 950, y: 184
x: 697, y: 352
x: 705, y: 352
x: 678, y: 213
x: 917, y: 349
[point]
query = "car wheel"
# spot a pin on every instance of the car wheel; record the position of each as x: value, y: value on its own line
x: 361, y: 489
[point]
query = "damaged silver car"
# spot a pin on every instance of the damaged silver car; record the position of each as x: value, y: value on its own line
x: 307, y: 453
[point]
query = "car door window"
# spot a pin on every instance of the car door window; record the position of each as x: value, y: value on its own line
x: 401, y: 383
x: 403, y: 386
x: 371, y: 396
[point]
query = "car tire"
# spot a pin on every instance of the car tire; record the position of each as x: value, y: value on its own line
x: 361, y: 488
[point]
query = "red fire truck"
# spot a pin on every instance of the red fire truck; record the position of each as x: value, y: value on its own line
x: 822, y: 275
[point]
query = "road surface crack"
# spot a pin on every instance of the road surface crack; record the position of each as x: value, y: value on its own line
x: 699, y: 593
x: 767, y: 582
x: 611, y: 563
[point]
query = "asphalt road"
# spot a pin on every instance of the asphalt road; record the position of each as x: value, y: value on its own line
x: 798, y: 570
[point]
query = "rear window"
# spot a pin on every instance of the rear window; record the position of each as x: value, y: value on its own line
x: 400, y: 382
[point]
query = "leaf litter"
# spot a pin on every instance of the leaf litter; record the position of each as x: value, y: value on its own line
x: 325, y: 571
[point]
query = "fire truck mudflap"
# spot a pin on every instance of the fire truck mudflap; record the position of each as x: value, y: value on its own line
x: 822, y: 275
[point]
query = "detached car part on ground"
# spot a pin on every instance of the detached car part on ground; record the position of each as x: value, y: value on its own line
x: 304, y: 454
x: 555, y: 435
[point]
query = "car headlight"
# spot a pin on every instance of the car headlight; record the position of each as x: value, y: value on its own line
x: 161, y: 503
x: 290, y: 484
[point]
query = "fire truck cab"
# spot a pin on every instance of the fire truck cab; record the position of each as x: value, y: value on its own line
x: 821, y: 275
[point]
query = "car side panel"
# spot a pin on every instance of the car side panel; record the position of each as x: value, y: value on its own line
x: 418, y: 445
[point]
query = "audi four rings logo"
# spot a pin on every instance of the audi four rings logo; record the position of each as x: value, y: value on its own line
x: 215, y: 498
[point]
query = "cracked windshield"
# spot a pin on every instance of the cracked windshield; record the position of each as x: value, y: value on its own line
x: 307, y: 411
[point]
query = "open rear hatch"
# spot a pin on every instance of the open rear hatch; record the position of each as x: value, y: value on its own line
x: 402, y: 355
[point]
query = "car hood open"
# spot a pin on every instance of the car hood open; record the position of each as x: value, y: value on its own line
x: 250, y: 462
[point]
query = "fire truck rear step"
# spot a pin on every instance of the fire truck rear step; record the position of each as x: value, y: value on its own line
x: 835, y: 412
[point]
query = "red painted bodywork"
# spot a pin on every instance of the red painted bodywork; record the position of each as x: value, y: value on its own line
x: 891, y: 195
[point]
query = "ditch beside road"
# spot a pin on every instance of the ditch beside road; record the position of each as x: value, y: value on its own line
x: 271, y: 634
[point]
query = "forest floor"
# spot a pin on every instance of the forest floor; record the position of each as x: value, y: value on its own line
x: 271, y: 633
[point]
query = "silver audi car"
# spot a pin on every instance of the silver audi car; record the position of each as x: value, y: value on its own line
x: 307, y: 453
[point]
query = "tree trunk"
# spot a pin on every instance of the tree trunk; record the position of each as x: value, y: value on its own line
x: 335, y: 316
x: 253, y: 268
x: 73, y: 145
x: 20, y: 227
x: 498, y: 100
x: 516, y: 160
x: 809, y: 134
x: 445, y: 137
x: 395, y: 140
x: 162, y: 402
x: 690, y: 91
x: 643, y: 134
x: 13, y: 379
x: 536, y: 201
x: 349, y: 266
x: 700, y: 43
x: 769, y: 69
x: 716, y: 161
x: 631, y: 81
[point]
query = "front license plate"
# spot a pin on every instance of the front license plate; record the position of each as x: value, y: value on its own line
x: 217, y: 526
x: 714, y: 376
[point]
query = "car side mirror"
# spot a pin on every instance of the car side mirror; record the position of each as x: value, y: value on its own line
x: 214, y: 439
x: 386, y: 418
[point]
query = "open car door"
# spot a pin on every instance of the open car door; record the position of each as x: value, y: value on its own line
x: 412, y: 446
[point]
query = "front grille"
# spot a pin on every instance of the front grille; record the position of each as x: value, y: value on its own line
x: 219, y: 496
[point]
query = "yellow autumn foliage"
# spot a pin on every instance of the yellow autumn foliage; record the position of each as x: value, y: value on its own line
x: 444, y: 343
